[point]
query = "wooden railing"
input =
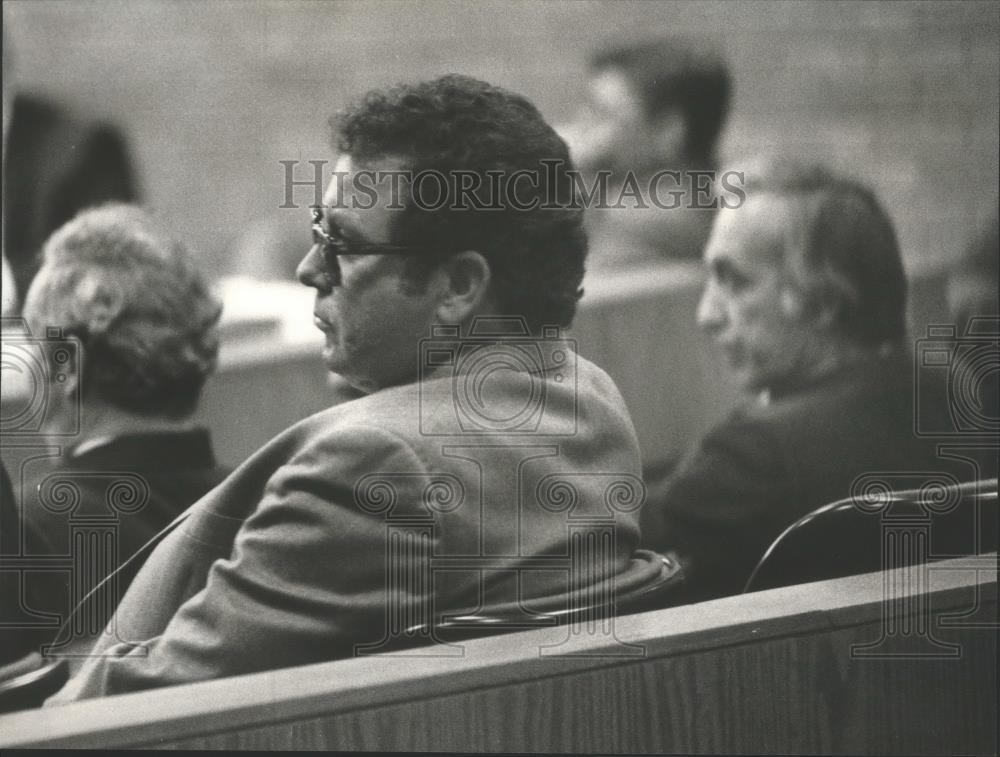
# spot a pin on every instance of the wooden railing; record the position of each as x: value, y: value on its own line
x: 866, y: 664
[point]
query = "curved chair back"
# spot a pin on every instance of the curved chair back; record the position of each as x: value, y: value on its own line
x: 662, y: 591
x: 888, y: 529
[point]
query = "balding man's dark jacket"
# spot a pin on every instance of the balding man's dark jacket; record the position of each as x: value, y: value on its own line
x: 768, y: 465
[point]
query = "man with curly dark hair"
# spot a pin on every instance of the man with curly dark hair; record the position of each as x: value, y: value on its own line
x: 456, y: 126
x: 515, y: 230
x: 446, y: 255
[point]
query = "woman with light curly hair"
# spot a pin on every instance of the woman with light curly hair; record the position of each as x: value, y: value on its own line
x: 144, y: 314
x: 129, y: 331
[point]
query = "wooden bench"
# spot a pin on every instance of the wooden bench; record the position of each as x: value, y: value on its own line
x: 903, y: 662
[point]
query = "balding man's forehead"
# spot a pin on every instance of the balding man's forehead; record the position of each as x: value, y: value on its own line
x: 757, y: 231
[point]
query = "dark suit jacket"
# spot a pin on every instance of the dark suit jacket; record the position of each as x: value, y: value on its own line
x: 13, y: 640
x: 291, y: 559
x: 55, y: 167
x: 128, y: 487
x: 766, y: 466
x: 9, y: 522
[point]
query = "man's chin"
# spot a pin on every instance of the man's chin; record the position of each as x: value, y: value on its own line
x: 344, y: 372
x: 333, y: 360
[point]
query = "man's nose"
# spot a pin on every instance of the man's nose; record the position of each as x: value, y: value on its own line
x: 310, y: 269
x: 711, y: 315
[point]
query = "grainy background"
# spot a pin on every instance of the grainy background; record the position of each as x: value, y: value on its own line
x: 214, y: 94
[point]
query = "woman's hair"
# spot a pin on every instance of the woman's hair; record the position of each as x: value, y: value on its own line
x: 143, y: 312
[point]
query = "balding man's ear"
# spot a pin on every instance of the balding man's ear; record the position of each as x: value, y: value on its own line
x: 825, y: 313
x: 467, y: 279
x: 818, y: 308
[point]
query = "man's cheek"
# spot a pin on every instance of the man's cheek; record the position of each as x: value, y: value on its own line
x: 758, y: 351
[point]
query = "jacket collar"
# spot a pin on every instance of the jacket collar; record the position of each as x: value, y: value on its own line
x: 188, y: 448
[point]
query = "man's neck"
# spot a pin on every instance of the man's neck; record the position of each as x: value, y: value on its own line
x: 827, y: 360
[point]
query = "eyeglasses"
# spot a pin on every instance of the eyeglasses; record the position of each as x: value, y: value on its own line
x: 333, y: 244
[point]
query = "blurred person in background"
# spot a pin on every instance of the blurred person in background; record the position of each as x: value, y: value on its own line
x: 15, y: 641
x: 55, y: 163
x: 146, y: 323
x: 974, y: 280
x: 806, y: 297
x: 8, y: 291
x: 973, y: 287
x: 654, y: 106
x: 267, y: 248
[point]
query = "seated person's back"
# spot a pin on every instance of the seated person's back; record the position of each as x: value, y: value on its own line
x: 807, y: 298
x: 137, y: 322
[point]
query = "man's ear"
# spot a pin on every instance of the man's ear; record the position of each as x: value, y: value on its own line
x: 467, y: 279
x: 824, y: 313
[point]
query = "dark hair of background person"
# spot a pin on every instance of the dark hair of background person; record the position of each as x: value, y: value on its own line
x: 456, y: 123
x: 677, y: 73
x: 975, y: 278
x: 55, y: 165
x: 145, y: 315
x: 840, y: 250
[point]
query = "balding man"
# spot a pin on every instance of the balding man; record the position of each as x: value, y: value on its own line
x: 806, y: 297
